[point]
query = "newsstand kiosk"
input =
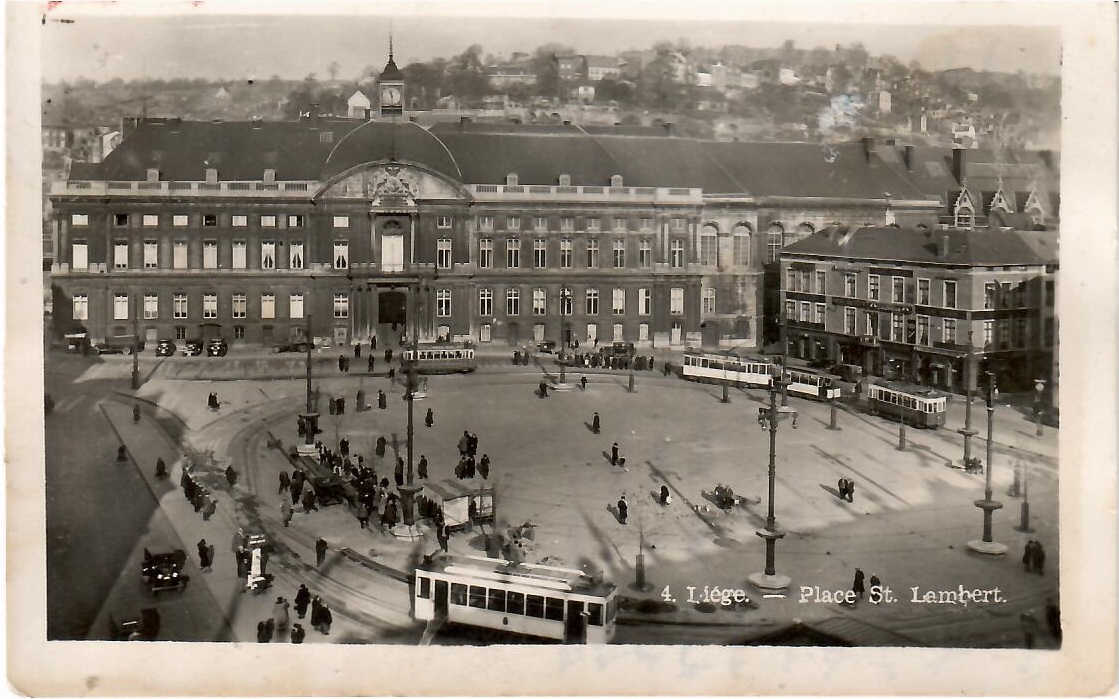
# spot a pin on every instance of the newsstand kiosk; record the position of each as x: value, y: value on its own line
x: 252, y: 551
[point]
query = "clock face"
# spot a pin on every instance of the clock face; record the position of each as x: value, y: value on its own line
x: 391, y: 95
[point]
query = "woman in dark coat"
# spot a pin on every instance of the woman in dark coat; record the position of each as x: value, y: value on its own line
x: 205, y: 557
x: 302, y: 599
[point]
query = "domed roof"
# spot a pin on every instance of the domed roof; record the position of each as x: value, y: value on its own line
x: 377, y: 141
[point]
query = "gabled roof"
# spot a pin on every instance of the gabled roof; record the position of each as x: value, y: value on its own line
x: 981, y: 247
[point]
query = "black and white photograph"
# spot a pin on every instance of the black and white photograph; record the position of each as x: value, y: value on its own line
x: 722, y: 340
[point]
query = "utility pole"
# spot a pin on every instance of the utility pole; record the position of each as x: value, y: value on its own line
x: 988, y: 504
x: 310, y: 415
x: 136, y: 344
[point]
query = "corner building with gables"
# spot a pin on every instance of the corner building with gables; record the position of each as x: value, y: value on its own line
x: 496, y: 233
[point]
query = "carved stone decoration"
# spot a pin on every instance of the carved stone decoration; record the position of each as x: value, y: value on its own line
x: 392, y: 186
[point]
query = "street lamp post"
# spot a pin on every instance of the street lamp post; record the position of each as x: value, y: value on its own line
x: 136, y: 346
x: 409, y: 490
x: 1039, y: 388
x: 726, y: 381
x: 632, y: 356
x: 1024, y: 524
x: 565, y: 298
x: 988, y: 504
x: 770, y: 579
x: 969, y: 387
x: 310, y: 416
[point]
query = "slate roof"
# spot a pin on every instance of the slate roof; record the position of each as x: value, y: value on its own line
x: 980, y: 247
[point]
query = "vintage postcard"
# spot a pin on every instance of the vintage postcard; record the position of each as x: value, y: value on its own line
x: 650, y: 349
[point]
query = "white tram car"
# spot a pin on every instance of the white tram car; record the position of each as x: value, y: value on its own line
x: 536, y: 600
x: 712, y: 367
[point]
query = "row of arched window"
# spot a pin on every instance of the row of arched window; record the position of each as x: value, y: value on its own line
x: 776, y: 238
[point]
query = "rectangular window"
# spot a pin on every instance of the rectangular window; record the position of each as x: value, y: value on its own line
x: 209, y: 220
x: 950, y: 330
x: 496, y: 601
x: 708, y: 301
x: 341, y: 221
x: 151, y: 306
x: 268, y: 254
x: 267, y: 306
x: 295, y: 220
x: 150, y: 220
x: 179, y: 306
x: 341, y: 254
x: 645, y: 253
x: 295, y: 306
x: 443, y: 253
x: 709, y: 250
x: 267, y: 221
x: 805, y: 312
x: 342, y: 305
x: 988, y: 334
x: 458, y: 594
x: 676, y: 301
x: 485, y: 223
x: 442, y: 221
x: 513, y: 223
x: 209, y: 254
x: 821, y: 282
x: 1020, y: 333
x: 593, y: 224
x: 515, y: 603
x: 567, y: 224
x: 818, y: 316
x: 791, y: 280
x: 120, y: 306
x: 990, y: 291
x: 850, y: 326
x: 898, y: 289
x: 540, y: 253
x: 239, y: 255
x: 553, y: 609
x: 949, y: 294
x: 81, y: 307
x: 179, y: 254
x: 566, y: 256
x: 180, y: 332
x: 239, y: 220
x: 676, y: 253
x: 872, y: 287
x: 539, y: 302
x: 209, y: 305
x: 120, y: 254
x: 870, y: 323
x: 646, y: 224
x: 295, y: 254
x: 1003, y: 331
x: 922, y: 330
x: 485, y: 253
x: 477, y: 597
x: 151, y: 254
x: 590, y: 306
x: 240, y: 306
x: 513, y: 253
x: 238, y: 332
x: 540, y: 223
x: 79, y: 219
x: 644, y: 301
x: 513, y: 302
x: 791, y: 310
x: 592, y: 253
x: 120, y: 220
x: 485, y: 303
x: 443, y: 303
x: 849, y: 283
x: 180, y: 220
x: 619, y: 301
x: 923, y: 292
x: 534, y: 606
x: 897, y: 327
x: 619, y: 253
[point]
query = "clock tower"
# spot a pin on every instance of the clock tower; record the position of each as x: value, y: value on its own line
x: 390, y: 88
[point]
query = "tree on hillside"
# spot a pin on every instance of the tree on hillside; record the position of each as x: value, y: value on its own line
x: 466, y: 76
x: 545, y: 65
x: 424, y: 81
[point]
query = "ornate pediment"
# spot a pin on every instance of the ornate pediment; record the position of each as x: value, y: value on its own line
x: 392, y: 186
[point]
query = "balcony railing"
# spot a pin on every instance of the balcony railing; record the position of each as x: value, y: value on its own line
x: 163, y: 189
x: 595, y: 192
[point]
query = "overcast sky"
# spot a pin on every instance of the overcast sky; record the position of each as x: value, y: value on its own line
x: 237, y: 41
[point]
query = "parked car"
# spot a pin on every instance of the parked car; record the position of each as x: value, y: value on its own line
x: 292, y: 346
x: 618, y: 349
x: 192, y: 348
x: 217, y: 348
x: 165, y: 348
x: 546, y: 346
x: 120, y: 344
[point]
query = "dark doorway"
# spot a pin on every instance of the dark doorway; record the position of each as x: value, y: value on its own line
x: 440, y: 598
x: 392, y: 308
x: 575, y: 624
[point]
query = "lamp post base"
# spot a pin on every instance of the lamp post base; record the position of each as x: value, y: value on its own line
x: 408, y: 531
x: 305, y: 449
x: 561, y: 386
x: 770, y: 582
x: 990, y: 548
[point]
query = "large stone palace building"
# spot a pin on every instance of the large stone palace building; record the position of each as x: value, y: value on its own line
x: 262, y: 231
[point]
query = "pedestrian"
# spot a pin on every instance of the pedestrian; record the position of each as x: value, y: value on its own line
x: 858, y: 587
x: 398, y: 472
x: 269, y: 629
x: 665, y: 497
x: 623, y: 509
x: 341, y: 362
x: 285, y: 482
x: 484, y: 466
x: 596, y: 424
x: 442, y: 535
x: 460, y: 468
x: 296, y: 488
x: 372, y: 363
x: 320, y: 551
x: 429, y: 419
x: 297, y: 633
x: 875, y: 586
x: 344, y: 447
x: 614, y: 454
x: 388, y: 355
x: 205, y: 556
x: 362, y: 515
x: 262, y: 633
x: 122, y: 453
x: 543, y: 389
x: 472, y: 444
x: 357, y: 350
x: 316, y: 611
x: 382, y: 443
x: 373, y: 344
x: 1039, y: 558
x: 230, y: 476
x: 1028, y: 556
x: 160, y: 468
x: 583, y: 382
x: 422, y: 467
x: 210, y: 509
x: 382, y: 399
x: 325, y: 619
x: 842, y: 485
x: 464, y: 443
x: 286, y: 511
x: 392, y: 379
x: 302, y: 599
x: 850, y: 491
x: 241, y: 555
x: 309, y: 500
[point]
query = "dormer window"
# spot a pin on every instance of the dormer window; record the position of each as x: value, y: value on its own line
x: 565, y: 180
x: 964, y: 211
x: 153, y: 174
x: 269, y: 176
x: 616, y: 181
x: 211, y: 175
x: 511, y: 179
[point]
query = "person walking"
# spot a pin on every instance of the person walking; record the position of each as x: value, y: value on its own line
x: 484, y: 466
x: 285, y: 482
x: 1028, y: 556
x: 297, y: 633
x: 875, y: 586
x: 296, y: 489
x: 623, y: 509
x: 392, y: 379
x: 398, y: 472
x: 205, y: 556
x: 230, y: 476
x: 344, y: 447
x: 614, y: 454
x: 665, y: 496
x: 464, y: 443
x: 382, y: 399
x: 596, y: 424
x: 209, y: 510
x: 325, y: 619
x: 316, y: 611
x: 429, y: 419
x: 583, y: 383
x: 286, y: 511
x: 858, y: 586
x: 362, y: 515
x: 309, y: 500
x: 160, y: 468
x: 320, y: 551
x: 262, y: 633
x: 388, y: 355
x: 357, y: 350
x: 842, y: 486
x: 850, y: 491
x: 341, y: 362
x: 1039, y: 558
x: 442, y: 535
x: 421, y: 469
x: 372, y: 363
x: 302, y: 599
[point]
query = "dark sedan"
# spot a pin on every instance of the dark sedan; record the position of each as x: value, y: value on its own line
x: 165, y: 348
x: 295, y: 346
x: 217, y: 348
x: 192, y: 348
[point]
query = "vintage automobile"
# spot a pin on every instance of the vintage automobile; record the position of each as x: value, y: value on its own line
x: 292, y: 346
x: 217, y: 347
x: 164, y: 571
x: 120, y: 344
x: 546, y: 346
x: 165, y: 348
x: 192, y: 348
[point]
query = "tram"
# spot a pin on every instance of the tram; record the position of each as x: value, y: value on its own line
x: 816, y: 385
x: 535, y: 600
x: 440, y: 358
x: 711, y: 367
x: 919, y: 406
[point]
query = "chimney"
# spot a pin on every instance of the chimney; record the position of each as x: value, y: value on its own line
x: 462, y: 122
x: 869, y: 148
x: 959, y: 164
x: 942, y: 244
x: 669, y: 128
x: 910, y: 152
x: 567, y: 122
